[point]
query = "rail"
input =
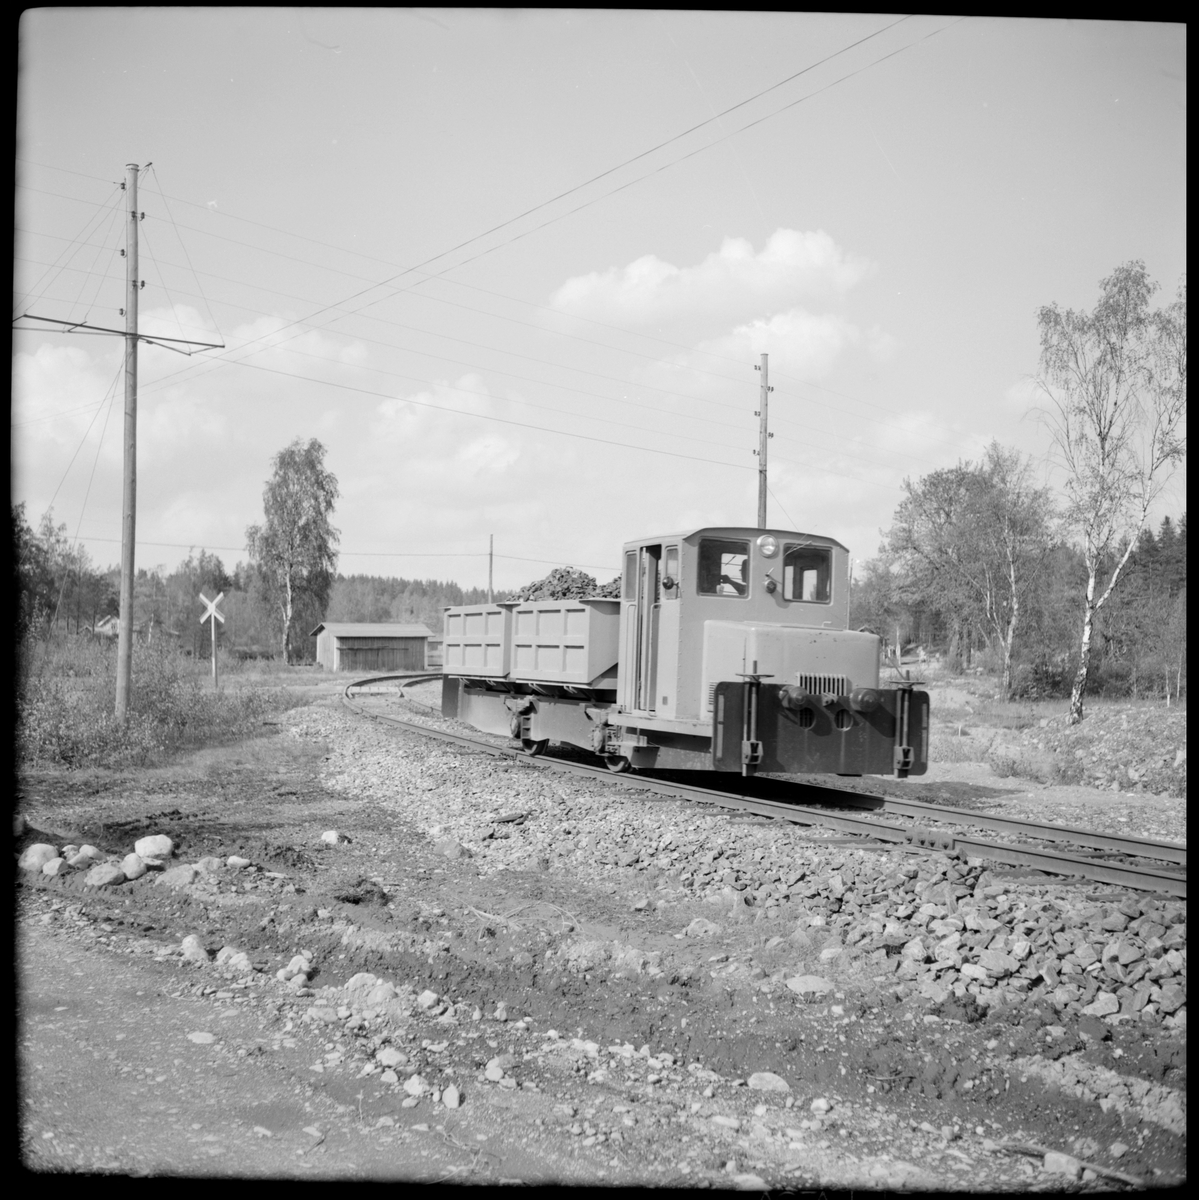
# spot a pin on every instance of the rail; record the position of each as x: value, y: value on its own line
x: 1141, y: 876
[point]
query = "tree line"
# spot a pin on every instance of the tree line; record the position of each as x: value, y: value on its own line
x: 1072, y: 592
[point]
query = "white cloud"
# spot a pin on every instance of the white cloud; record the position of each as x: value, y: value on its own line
x: 731, y: 286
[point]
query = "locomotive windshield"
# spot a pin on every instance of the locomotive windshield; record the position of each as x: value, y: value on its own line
x: 723, y: 567
x: 807, y: 571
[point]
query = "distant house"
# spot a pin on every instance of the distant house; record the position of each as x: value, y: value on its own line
x: 381, y: 646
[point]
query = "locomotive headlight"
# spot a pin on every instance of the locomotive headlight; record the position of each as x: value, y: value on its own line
x: 768, y: 546
x: 864, y: 699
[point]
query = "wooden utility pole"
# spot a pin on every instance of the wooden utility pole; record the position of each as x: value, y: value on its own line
x: 129, y: 487
x: 490, y: 558
x: 763, y: 438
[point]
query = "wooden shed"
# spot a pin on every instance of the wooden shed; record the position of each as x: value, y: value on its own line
x: 375, y: 646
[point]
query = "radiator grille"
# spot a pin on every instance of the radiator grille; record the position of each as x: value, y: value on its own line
x: 826, y: 685
x: 819, y: 685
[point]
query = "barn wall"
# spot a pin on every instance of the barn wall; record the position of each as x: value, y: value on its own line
x: 325, y: 650
x: 380, y: 654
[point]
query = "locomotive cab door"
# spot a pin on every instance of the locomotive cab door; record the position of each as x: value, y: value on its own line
x: 647, y: 615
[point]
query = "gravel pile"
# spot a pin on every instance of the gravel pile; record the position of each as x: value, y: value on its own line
x: 940, y: 925
x: 565, y: 583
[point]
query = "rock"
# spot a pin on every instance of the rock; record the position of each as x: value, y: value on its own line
x: 56, y: 866
x: 767, y: 1081
x: 331, y: 837
x: 202, y: 1039
x: 389, y: 1077
x: 297, y: 966
x: 451, y: 1097
x: 178, y: 877
x: 157, y: 845
x: 380, y: 994
x: 91, y: 852
x: 1057, y: 1163
x: 389, y: 1056
x: 820, y: 1106
x: 449, y: 848
x: 105, y: 875
x: 829, y: 953
x: 35, y: 857
x: 236, y: 861
x: 810, y: 985
x: 915, y: 951
x: 701, y: 927
x: 238, y: 960
x: 209, y: 863
x: 493, y: 1072
x: 193, y: 949
x: 1117, y: 1150
x: 1104, y: 1005
x: 133, y: 866
x: 362, y: 982
x: 427, y: 999
x: 69, y: 852
x: 415, y: 1085
x: 749, y: 1183
x: 1173, y: 997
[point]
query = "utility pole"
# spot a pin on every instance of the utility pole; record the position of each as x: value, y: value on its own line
x: 763, y: 438
x: 490, y: 558
x: 129, y: 482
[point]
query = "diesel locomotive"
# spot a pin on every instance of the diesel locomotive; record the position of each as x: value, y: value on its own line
x: 729, y: 649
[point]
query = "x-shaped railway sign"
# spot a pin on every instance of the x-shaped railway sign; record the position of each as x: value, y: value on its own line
x: 210, y: 607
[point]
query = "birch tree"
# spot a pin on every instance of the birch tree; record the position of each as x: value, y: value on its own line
x: 1115, y: 386
x: 295, y: 549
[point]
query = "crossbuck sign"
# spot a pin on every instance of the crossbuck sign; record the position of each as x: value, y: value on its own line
x: 213, y: 614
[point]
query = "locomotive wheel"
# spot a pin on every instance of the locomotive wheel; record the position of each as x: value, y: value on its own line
x: 617, y: 764
x: 534, y: 747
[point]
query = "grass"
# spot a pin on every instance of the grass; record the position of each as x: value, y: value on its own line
x: 65, y: 703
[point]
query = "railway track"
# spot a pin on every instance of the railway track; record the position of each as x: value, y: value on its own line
x: 1139, y: 863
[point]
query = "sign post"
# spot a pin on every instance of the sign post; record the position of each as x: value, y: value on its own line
x: 212, y: 614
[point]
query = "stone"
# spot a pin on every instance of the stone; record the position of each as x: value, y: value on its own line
x: 56, y: 866
x: 105, y: 875
x: 193, y: 949
x: 330, y: 837
x: 427, y: 999
x: 362, y: 982
x: 389, y: 1056
x: 297, y: 966
x: 749, y: 1183
x: 35, y: 857
x: 1173, y: 997
x: 157, y: 845
x: 91, y: 852
x: 914, y: 951
x: 380, y: 994
x: 178, y: 877
x: 997, y: 963
x: 239, y: 960
x: 767, y: 1081
x: 451, y: 1097
x: 493, y: 1072
x: 389, y: 1077
x: 236, y: 861
x: 821, y: 1105
x: 202, y: 1039
x: 1117, y: 1150
x: 449, y: 848
x: 829, y: 953
x: 701, y: 927
x: 133, y: 866
x: 1104, y: 1005
x: 809, y: 985
x: 1057, y: 1163
x: 209, y: 863
x: 415, y: 1085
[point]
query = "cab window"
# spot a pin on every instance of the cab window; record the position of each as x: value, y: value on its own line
x: 670, y: 574
x: 807, y: 573
x: 630, y: 575
x: 723, y: 567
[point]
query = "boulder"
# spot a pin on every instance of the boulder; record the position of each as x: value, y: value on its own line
x: 105, y: 875
x: 768, y: 1081
x: 133, y: 866
x: 35, y: 857
x: 157, y: 845
x: 178, y: 877
x: 56, y: 866
x: 236, y: 861
x: 809, y: 985
x: 193, y: 949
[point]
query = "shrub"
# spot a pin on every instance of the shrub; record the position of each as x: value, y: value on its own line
x: 66, y: 689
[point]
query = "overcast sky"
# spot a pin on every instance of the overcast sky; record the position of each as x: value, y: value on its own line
x: 515, y: 269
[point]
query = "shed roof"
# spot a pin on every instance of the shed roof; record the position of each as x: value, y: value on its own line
x: 372, y: 629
